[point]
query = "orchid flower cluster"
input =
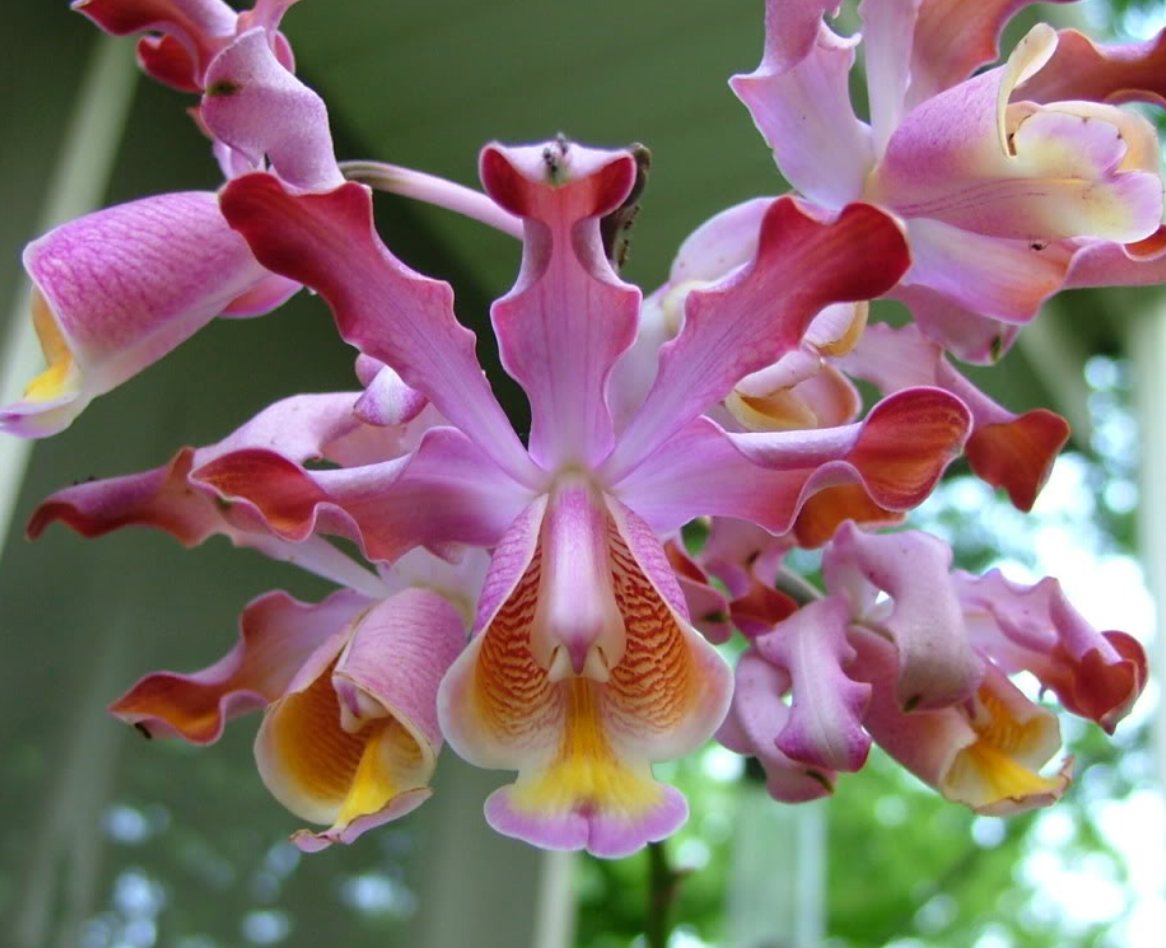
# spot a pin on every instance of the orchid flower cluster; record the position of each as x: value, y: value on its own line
x: 537, y: 603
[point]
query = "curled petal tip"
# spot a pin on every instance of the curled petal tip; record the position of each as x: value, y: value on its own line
x: 1018, y: 455
x: 518, y: 177
x: 404, y: 803
x: 933, y: 422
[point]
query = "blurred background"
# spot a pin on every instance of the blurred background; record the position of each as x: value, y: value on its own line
x: 113, y: 842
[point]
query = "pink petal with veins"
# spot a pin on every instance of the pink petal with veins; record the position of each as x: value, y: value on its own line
x: 118, y: 289
x: 569, y: 317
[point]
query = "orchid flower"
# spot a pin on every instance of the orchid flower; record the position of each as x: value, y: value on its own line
x: 349, y: 691
x: 116, y: 290
x: 1012, y: 183
x: 584, y: 667
x: 349, y: 685
x: 904, y: 651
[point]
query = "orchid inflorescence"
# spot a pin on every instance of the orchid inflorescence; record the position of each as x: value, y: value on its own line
x: 537, y: 602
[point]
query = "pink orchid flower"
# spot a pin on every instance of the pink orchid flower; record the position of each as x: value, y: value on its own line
x: 349, y: 685
x: 584, y: 667
x: 349, y: 691
x: 116, y: 290
x: 914, y: 656
x: 1012, y: 183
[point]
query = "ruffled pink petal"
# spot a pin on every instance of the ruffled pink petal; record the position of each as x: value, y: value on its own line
x: 276, y: 635
x: 791, y: 27
x: 258, y: 107
x: 1037, y: 173
x: 1098, y: 675
x: 445, y: 492
x: 757, y: 716
x: 1108, y: 263
x: 118, y: 289
x: 172, y: 499
x: 159, y: 498
x: 803, y: 112
x: 759, y: 313
x: 937, y: 667
x: 388, y: 311
x: 1098, y: 72
x: 569, y: 317
x: 354, y: 739
x: 897, y: 454
x: 899, y: 451
x: 824, y: 728
x: 954, y: 38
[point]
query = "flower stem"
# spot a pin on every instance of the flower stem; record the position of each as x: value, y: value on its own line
x: 433, y: 190
x: 663, y: 886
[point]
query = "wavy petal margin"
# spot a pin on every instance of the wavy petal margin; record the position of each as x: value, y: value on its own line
x: 388, y: 311
x: 760, y: 312
x: 276, y: 635
x: 1097, y: 675
x: 937, y: 667
x: 757, y: 716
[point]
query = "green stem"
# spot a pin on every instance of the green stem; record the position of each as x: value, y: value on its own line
x: 663, y: 884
